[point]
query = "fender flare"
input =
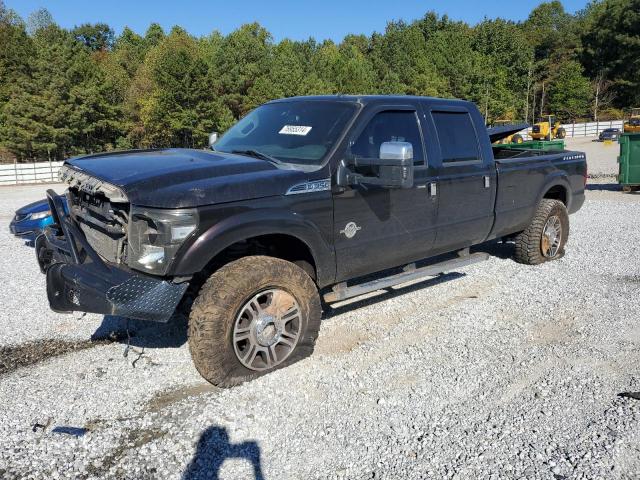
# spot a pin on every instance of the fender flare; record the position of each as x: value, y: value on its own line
x: 198, y: 253
x: 554, y: 179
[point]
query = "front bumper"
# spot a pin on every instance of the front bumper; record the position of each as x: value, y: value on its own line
x: 13, y: 228
x: 27, y: 228
x: 79, y: 280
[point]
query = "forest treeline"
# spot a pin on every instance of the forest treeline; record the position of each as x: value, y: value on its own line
x: 66, y: 92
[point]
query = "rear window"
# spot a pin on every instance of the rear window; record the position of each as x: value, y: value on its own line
x: 456, y: 136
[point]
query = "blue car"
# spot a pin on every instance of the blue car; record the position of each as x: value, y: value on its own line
x: 31, y: 219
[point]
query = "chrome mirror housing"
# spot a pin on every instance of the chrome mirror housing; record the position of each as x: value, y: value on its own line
x: 396, y: 151
x: 213, y: 138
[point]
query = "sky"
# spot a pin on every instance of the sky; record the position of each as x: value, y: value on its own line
x: 295, y: 19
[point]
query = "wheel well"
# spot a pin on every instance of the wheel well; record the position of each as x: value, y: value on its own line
x: 557, y: 192
x: 281, y: 246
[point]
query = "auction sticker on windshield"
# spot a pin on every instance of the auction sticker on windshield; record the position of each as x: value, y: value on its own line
x: 294, y: 130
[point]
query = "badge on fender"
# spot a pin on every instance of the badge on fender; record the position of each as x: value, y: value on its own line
x: 350, y: 229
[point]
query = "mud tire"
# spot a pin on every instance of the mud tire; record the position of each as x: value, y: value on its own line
x: 219, y: 301
x: 528, y: 243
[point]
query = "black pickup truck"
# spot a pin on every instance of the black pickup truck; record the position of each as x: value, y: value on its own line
x: 304, y: 202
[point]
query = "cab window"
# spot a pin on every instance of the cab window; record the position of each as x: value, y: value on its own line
x: 389, y: 126
x: 456, y: 136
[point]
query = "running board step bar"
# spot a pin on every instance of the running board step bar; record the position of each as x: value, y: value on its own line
x: 410, y: 273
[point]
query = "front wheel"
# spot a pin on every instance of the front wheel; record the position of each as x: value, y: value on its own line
x: 546, y: 236
x: 251, y: 317
x: 562, y: 133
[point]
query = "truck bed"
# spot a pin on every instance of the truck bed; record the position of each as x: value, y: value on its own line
x: 501, y: 153
x: 522, y: 175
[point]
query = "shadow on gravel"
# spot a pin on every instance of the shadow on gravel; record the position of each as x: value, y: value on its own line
x: 214, y: 448
x: 609, y: 187
x: 633, y: 395
x: 505, y: 251
x: 143, y: 333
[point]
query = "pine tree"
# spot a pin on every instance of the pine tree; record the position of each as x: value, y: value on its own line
x: 612, y: 47
x: 182, y: 108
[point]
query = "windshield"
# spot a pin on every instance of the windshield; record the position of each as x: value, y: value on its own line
x: 301, y: 132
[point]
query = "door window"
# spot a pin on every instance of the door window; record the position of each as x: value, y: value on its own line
x: 389, y: 126
x: 457, y: 137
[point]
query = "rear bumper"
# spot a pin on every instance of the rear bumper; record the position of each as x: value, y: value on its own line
x: 79, y: 280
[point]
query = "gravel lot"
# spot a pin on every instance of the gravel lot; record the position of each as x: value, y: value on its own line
x: 499, y: 371
x: 602, y: 157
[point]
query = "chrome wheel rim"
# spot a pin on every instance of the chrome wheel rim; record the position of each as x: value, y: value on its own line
x: 551, y: 237
x: 267, y: 329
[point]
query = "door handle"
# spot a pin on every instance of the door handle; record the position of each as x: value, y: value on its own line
x: 487, y: 181
x: 433, y: 189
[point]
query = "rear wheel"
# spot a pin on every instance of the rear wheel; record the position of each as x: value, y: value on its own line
x: 251, y: 317
x: 517, y: 138
x: 546, y: 236
x: 561, y: 133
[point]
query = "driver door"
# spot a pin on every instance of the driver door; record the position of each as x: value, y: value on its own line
x: 379, y: 227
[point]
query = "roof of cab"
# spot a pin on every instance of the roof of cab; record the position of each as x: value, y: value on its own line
x: 366, y: 99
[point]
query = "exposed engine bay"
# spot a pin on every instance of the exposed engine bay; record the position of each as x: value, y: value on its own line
x: 101, y: 212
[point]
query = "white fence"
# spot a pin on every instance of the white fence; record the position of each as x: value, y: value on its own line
x: 35, y: 172
x: 590, y: 129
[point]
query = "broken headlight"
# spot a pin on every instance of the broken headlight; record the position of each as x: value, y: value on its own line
x: 40, y: 215
x: 155, y: 235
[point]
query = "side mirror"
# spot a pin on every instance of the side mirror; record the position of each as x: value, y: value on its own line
x: 213, y: 138
x: 393, y: 168
x: 396, y: 151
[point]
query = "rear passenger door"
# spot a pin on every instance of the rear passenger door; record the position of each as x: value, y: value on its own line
x: 466, y: 181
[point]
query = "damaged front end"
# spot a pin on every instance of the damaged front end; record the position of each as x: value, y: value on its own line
x: 84, y: 255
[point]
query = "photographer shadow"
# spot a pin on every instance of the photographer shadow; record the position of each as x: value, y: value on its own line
x: 214, y: 448
x: 143, y: 333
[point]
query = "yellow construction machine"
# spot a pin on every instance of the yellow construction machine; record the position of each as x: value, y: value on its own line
x: 548, y: 128
x: 633, y: 124
x: 515, y: 138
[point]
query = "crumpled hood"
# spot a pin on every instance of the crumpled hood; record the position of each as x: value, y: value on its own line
x: 181, y: 178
